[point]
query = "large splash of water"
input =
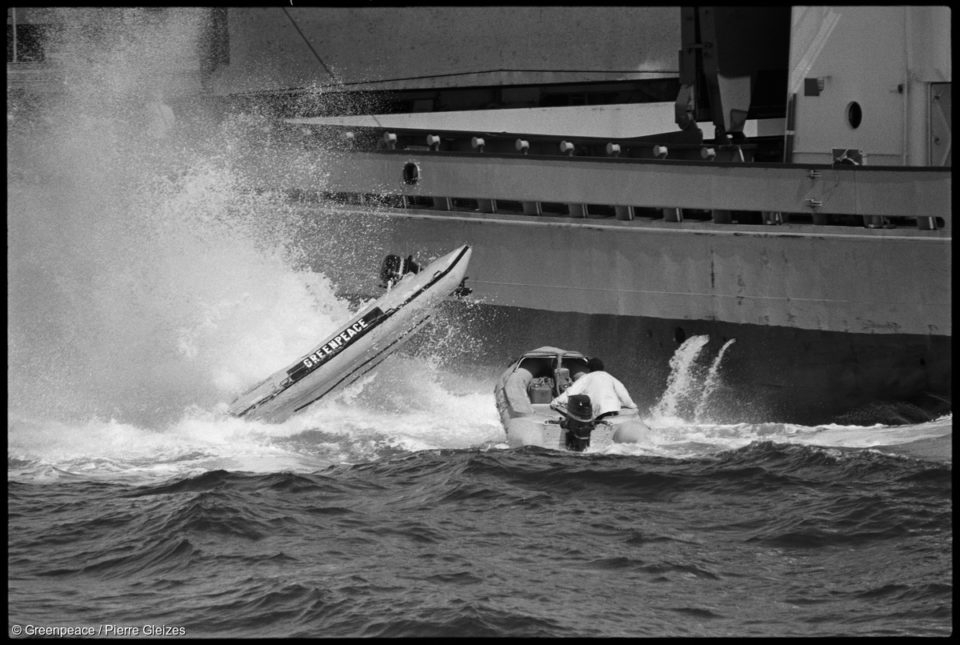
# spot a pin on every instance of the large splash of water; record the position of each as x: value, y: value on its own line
x: 143, y: 277
x: 148, y: 286
x: 711, y: 382
x: 684, y: 382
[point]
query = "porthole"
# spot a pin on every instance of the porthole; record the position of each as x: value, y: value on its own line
x: 854, y: 115
x: 411, y: 173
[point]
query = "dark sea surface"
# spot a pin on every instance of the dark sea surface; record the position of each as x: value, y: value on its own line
x: 148, y: 286
x: 770, y: 538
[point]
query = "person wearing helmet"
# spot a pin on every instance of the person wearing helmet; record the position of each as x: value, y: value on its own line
x: 394, y: 268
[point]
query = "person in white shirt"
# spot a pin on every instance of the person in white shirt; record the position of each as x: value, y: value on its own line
x: 607, y: 394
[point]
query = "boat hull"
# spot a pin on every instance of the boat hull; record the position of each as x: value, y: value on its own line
x: 524, y: 392
x: 359, y: 345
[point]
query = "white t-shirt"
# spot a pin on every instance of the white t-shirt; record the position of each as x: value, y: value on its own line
x: 607, y: 394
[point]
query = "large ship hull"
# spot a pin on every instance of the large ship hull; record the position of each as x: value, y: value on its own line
x: 814, y: 334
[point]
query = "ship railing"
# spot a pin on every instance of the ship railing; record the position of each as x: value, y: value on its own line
x: 613, y: 212
x: 673, y: 181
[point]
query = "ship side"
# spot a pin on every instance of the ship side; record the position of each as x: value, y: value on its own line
x: 775, y: 178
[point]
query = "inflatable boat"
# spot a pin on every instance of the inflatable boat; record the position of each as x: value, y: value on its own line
x: 361, y: 344
x: 524, y: 393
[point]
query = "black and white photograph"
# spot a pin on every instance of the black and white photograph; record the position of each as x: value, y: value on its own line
x: 479, y: 321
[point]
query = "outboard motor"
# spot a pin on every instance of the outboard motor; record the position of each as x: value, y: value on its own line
x: 578, y: 422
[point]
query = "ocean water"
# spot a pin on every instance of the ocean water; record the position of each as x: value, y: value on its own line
x: 147, y: 287
x: 356, y: 521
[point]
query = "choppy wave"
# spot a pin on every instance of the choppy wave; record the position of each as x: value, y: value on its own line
x: 385, y: 415
x: 765, y: 539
